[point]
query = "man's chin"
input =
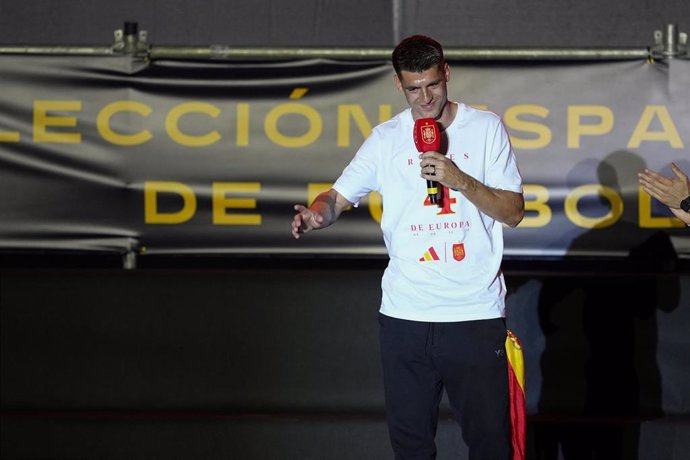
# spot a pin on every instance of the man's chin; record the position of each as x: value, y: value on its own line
x: 433, y: 113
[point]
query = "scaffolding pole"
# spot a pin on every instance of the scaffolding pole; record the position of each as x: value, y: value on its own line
x: 668, y: 43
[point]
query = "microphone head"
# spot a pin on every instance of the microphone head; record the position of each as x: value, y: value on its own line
x: 427, y: 136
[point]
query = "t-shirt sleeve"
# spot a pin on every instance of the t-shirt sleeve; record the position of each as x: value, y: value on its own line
x: 502, y: 169
x: 360, y: 176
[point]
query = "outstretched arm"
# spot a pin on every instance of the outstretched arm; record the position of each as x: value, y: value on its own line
x: 324, y: 210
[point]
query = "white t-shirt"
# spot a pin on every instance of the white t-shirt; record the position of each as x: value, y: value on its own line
x: 444, y: 262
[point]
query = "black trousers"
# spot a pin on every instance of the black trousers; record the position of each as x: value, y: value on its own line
x: 468, y: 359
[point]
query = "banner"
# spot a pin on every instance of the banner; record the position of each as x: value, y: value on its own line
x: 178, y: 157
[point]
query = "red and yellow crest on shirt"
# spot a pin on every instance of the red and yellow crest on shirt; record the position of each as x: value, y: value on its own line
x: 459, y: 251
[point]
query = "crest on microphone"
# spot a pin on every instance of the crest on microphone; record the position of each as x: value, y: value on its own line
x: 428, y: 134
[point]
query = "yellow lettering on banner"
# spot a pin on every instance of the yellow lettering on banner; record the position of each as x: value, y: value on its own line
x: 42, y: 121
x: 512, y: 120
x: 576, y: 129
x: 669, y: 133
x: 242, y: 125
x: 9, y: 136
x: 645, y: 214
x: 107, y: 112
x: 538, y: 205
x: 355, y: 111
x: 298, y: 93
x: 173, y: 118
x: 385, y: 112
x: 151, y: 191
x: 313, y: 118
x: 376, y: 206
x: 221, y: 203
x: 578, y: 193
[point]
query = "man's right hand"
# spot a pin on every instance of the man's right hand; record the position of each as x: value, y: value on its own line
x: 305, y: 220
x: 325, y: 210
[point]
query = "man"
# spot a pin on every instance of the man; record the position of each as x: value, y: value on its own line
x: 442, y: 310
x: 674, y: 192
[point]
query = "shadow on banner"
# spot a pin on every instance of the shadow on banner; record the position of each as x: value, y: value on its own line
x: 599, y: 368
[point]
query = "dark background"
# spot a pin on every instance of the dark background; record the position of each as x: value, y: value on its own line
x: 354, y: 23
x: 278, y: 358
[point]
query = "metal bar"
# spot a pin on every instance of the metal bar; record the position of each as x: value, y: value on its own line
x: 131, y: 41
x: 218, y: 52
x: 224, y: 52
x: 59, y: 50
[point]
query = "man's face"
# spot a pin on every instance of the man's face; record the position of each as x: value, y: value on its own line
x: 426, y: 92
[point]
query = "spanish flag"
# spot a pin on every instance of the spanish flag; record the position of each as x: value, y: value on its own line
x: 516, y: 386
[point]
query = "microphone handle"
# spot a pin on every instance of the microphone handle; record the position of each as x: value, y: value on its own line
x: 432, y: 190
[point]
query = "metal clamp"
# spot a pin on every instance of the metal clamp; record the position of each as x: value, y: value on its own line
x: 130, y: 40
x: 670, y: 43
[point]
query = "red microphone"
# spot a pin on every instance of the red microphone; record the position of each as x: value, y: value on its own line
x: 427, y: 138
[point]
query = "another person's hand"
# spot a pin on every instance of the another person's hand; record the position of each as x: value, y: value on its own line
x: 682, y: 215
x: 669, y: 190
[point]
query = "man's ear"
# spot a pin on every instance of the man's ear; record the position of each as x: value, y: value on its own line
x: 446, y: 71
x: 398, y: 83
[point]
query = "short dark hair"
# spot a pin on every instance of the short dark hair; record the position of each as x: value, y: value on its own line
x: 417, y: 53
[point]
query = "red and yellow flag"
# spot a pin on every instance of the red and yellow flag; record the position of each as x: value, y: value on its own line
x: 516, y: 386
